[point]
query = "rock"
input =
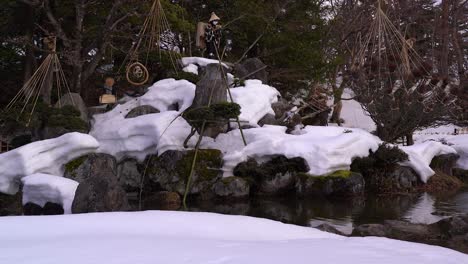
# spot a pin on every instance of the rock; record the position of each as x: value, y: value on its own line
x: 128, y: 175
x: 99, y: 189
x: 281, y: 108
x: 75, y: 100
x: 90, y: 166
x: 453, y: 226
x: 32, y: 209
x: 269, y: 119
x: 402, y: 230
x: 163, y: 201
x: 169, y: 171
x: 142, y: 110
x: 231, y: 187
x: 252, y: 68
x: 329, y: 229
x: 11, y: 204
x: 461, y: 174
x: 274, y: 177
x: 212, y: 89
x: 376, y: 230
x: 52, y: 209
x: 393, y: 180
x: 48, y: 209
x: 445, y: 163
x: 340, y: 183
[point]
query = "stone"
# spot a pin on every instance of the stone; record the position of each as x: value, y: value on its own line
x: 445, y: 163
x: 142, y: 110
x: 128, y: 175
x: 461, y: 174
x: 99, y: 189
x: 231, y: 188
x: 340, y: 183
x: 269, y: 119
x: 163, y: 201
x: 89, y: 166
x: 75, y: 100
x: 329, y: 229
x: 273, y: 177
x: 11, y: 204
x: 212, y: 89
x: 376, y: 230
x: 32, y: 209
x: 170, y: 171
x: 52, y: 209
x: 281, y: 108
x: 252, y: 68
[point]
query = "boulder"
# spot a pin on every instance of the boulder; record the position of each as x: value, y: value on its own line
x: 212, y: 89
x: 445, y: 163
x: 169, y: 172
x: 269, y: 119
x: 252, y: 68
x: 329, y: 229
x: 274, y: 177
x: 128, y: 175
x: 376, y: 230
x: 99, y: 189
x: 340, y: 183
x: 461, y: 174
x: 281, y: 108
x: 48, y: 209
x: 231, y: 187
x: 90, y: 166
x: 142, y: 110
x: 75, y: 100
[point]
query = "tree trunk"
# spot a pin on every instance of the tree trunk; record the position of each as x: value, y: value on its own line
x: 409, y: 139
x: 30, y: 63
x: 444, y: 40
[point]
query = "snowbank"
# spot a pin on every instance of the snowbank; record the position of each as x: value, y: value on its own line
x: 47, y: 156
x: 255, y: 100
x: 141, y: 136
x: 179, y: 237
x: 325, y: 149
x: 42, y: 188
x: 421, y: 155
x: 202, y: 62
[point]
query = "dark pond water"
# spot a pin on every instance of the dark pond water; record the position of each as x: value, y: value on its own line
x: 344, y: 214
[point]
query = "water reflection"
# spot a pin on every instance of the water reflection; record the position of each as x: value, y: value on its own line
x: 345, y: 214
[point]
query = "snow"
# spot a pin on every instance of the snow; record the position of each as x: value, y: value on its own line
x: 421, y: 155
x: 353, y: 114
x: 202, y: 62
x: 445, y: 134
x: 47, y: 156
x: 191, y: 68
x: 325, y: 149
x: 180, y: 237
x: 255, y: 100
x: 42, y: 188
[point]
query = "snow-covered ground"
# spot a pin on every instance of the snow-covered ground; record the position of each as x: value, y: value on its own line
x: 177, y: 237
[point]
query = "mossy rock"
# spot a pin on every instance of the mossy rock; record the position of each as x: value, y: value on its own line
x: 339, y: 183
x: 170, y: 171
x: 461, y: 174
x: 74, y: 164
x: 231, y: 188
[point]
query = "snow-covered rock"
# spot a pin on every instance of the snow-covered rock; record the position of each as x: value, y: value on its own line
x: 421, y: 155
x: 325, y: 149
x: 202, y: 62
x: 255, y: 100
x: 47, y: 156
x: 180, y: 237
x: 42, y: 188
x: 191, y: 68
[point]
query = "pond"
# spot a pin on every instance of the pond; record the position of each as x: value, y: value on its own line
x: 345, y: 214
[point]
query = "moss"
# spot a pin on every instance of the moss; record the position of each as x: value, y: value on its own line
x: 207, y: 166
x: 191, y: 77
x: 74, y: 164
